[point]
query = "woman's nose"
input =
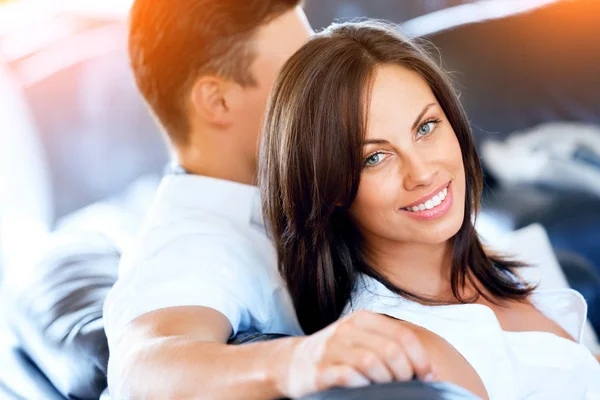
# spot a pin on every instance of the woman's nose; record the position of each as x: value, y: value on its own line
x: 418, y: 172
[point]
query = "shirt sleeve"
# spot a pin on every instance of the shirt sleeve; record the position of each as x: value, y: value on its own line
x: 193, y: 270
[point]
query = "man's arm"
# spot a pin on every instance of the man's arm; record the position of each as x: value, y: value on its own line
x: 169, y: 354
x: 180, y: 352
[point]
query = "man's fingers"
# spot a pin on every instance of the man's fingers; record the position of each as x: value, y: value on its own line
x: 399, y: 332
x: 389, y: 351
x: 362, y: 359
x: 416, y: 354
x: 340, y: 376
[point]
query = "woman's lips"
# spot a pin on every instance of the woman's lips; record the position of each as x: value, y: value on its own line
x: 436, y: 211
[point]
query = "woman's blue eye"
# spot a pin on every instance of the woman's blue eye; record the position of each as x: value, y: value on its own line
x: 426, y: 128
x: 373, y: 159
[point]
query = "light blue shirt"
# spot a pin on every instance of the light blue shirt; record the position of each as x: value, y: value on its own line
x: 203, y: 243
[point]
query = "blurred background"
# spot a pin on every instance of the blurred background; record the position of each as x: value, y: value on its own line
x: 78, y: 147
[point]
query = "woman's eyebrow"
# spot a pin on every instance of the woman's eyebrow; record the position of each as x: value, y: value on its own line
x: 383, y: 141
x: 421, y: 115
x: 375, y: 141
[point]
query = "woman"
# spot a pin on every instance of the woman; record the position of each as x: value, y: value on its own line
x: 371, y: 182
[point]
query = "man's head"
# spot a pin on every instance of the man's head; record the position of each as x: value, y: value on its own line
x: 206, y: 68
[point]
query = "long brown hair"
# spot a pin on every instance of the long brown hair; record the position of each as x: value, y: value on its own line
x: 311, y: 162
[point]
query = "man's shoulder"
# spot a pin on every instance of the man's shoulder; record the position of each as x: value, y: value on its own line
x: 190, y: 223
x: 197, y: 234
x: 186, y: 223
x: 194, y: 237
x: 191, y: 204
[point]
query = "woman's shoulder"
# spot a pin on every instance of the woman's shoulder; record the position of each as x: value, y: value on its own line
x: 448, y: 363
x: 565, y: 306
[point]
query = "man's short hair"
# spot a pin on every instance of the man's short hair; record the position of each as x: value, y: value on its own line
x: 173, y: 42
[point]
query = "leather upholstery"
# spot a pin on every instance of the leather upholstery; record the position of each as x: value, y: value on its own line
x: 413, y: 390
x: 55, y: 312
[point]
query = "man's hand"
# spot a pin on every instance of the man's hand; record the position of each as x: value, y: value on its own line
x: 355, y: 351
x: 169, y: 354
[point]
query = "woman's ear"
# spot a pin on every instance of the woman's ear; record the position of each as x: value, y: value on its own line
x: 209, y: 95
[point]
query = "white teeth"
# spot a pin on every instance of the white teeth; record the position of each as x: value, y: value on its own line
x: 431, y: 203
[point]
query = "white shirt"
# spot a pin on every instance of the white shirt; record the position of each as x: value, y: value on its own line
x: 203, y: 243
x: 512, y: 365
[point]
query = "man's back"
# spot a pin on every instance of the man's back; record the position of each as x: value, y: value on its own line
x: 202, y: 244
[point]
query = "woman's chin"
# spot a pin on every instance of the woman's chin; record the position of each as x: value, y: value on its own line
x: 434, y: 235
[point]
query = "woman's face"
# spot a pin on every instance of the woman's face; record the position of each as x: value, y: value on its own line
x: 412, y: 187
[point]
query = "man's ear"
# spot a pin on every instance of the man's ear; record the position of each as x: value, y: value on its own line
x: 209, y: 100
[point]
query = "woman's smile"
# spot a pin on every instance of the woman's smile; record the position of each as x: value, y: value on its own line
x: 432, y: 206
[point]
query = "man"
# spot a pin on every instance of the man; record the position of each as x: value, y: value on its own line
x: 203, y: 269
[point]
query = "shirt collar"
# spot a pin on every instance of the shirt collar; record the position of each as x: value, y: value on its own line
x: 235, y: 201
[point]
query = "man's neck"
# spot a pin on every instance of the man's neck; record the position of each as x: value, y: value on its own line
x: 218, y: 162
x: 224, y: 172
